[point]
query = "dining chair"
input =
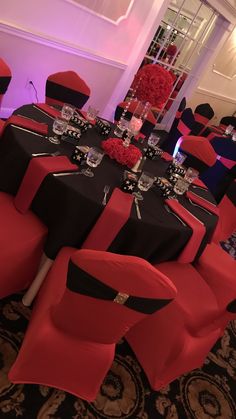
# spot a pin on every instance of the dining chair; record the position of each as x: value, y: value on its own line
x: 88, y: 301
x: 149, y: 123
x: 228, y: 120
x: 183, y: 127
x: 66, y: 87
x: 37, y: 170
x: 202, y: 115
x: 200, y: 153
x: 177, y: 339
x: 5, y: 78
x: 22, y: 240
x: 226, y: 225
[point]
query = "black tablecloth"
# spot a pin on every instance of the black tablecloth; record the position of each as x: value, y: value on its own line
x: 70, y: 205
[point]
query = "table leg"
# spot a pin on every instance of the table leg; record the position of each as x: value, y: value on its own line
x: 32, y: 291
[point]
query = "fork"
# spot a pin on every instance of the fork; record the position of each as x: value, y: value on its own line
x: 175, y: 215
x: 105, y: 190
x: 199, y: 206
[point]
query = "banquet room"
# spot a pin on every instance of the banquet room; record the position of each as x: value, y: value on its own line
x: 118, y: 209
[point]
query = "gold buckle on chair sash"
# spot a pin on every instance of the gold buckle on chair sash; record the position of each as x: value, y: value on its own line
x: 121, y: 298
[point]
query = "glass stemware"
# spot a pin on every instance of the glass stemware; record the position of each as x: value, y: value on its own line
x: 59, y: 127
x: 67, y: 111
x: 94, y: 158
x: 145, y: 182
x: 153, y: 140
x: 179, y: 158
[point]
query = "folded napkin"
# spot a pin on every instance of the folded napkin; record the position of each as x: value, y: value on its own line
x: 198, y: 182
x: 203, y: 202
x: 166, y: 156
x: 84, y: 115
x: 54, y: 113
x: 37, y: 170
x: 188, y: 254
x: 27, y: 123
x: 113, y: 218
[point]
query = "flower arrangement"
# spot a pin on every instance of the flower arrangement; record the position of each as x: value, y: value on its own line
x: 153, y: 84
x: 115, y: 149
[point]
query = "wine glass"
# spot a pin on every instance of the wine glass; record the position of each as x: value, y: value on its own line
x: 153, y: 140
x: 59, y: 127
x: 94, y: 158
x: 145, y: 182
x: 67, y: 111
x: 179, y: 158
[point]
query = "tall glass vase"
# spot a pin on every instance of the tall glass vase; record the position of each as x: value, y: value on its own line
x: 139, y: 116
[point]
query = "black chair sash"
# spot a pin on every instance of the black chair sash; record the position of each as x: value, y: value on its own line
x: 4, y: 82
x: 65, y: 94
x: 83, y: 283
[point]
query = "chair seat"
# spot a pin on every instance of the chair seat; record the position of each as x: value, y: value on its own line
x: 178, y: 338
x: 21, y: 241
x: 218, y: 269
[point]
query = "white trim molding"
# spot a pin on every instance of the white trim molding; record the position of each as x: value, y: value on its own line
x: 59, y: 44
x: 215, y: 95
x: 100, y: 15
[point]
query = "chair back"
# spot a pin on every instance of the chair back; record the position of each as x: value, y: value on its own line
x: 108, y: 293
x: 183, y: 127
x: 149, y: 123
x: 199, y: 151
x: 227, y: 215
x: 228, y: 120
x: 202, y: 115
x: 5, y: 78
x: 66, y: 87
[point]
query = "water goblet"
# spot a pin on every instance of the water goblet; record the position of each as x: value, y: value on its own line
x: 92, y: 113
x: 145, y: 182
x: 121, y: 127
x: 94, y: 158
x: 153, y: 140
x: 59, y: 127
x: 181, y: 186
x: 229, y: 129
x: 191, y: 174
x: 67, y: 111
x: 179, y: 158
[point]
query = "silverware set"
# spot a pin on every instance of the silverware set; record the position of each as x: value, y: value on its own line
x: 175, y: 215
x: 106, y: 191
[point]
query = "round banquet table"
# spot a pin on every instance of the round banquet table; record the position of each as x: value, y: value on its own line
x: 70, y: 205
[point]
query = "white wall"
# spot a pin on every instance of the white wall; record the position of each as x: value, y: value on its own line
x: 39, y: 38
x: 216, y: 89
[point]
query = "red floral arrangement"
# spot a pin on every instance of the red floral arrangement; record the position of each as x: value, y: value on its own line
x: 116, y: 150
x: 171, y: 50
x: 153, y: 84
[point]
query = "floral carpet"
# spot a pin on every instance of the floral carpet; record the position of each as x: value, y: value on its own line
x: 205, y: 393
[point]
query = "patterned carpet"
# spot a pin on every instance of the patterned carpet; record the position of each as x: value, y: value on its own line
x: 206, y: 393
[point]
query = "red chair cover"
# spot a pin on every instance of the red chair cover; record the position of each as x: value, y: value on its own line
x: 227, y: 216
x: 218, y: 269
x: 59, y: 351
x: 189, y: 252
x: 5, y: 78
x: 38, y: 169
x: 66, y: 87
x: 178, y: 338
x: 27, y: 123
x: 22, y: 239
x: 113, y: 218
x: 198, y: 147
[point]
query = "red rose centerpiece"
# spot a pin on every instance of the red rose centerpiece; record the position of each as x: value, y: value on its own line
x: 153, y: 84
x: 115, y: 149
